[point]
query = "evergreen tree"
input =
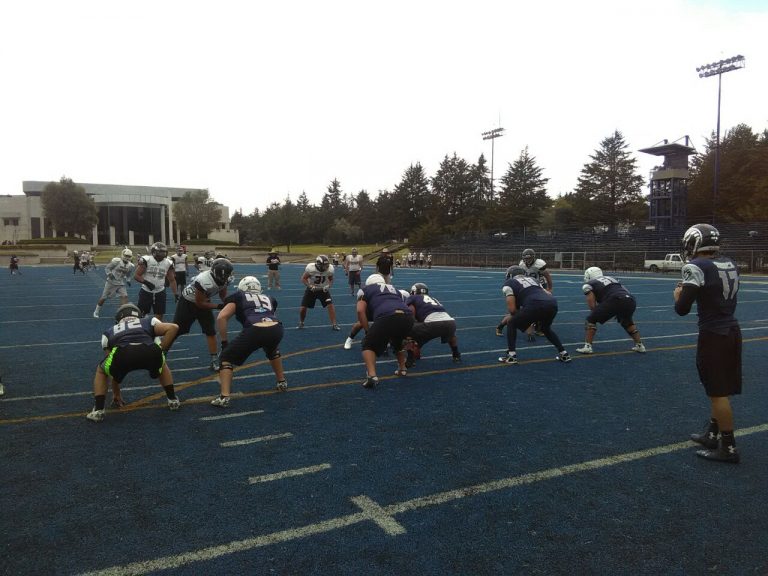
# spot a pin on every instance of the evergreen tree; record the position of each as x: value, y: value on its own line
x: 411, y: 200
x: 609, y: 188
x: 523, y: 195
x: 454, y: 192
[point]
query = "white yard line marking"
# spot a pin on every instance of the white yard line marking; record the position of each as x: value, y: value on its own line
x: 288, y: 473
x: 247, y: 441
x: 232, y: 415
x: 383, y: 515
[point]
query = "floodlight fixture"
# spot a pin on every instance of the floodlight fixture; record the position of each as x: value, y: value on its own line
x: 492, y: 135
x: 718, y: 69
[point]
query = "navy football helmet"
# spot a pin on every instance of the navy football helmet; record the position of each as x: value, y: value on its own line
x: 515, y: 270
x: 322, y: 263
x: 159, y: 251
x: 529, y: 256
x: 419, y: 288
x: 126, y: 311
x: 700, y: 238
x: 221, y: 270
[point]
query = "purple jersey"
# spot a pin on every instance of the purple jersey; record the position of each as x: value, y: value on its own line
x: 526, y: 290
x: 605, y: 287
x: 383, y: 300
x: 424, y: 304
x: 252, y: 308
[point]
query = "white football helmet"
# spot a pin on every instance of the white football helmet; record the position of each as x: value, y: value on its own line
x: 591, y: 273
x: 127, y: 255
x: 250, y: 284
x: 375, y: 279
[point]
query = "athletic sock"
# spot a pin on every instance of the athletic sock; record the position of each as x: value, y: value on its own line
x: 99, y: 401
x: 455, y: 350
x: 170, y: 392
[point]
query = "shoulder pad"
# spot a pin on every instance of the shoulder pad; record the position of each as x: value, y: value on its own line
x: 587, y: 288
x: 692, y: 274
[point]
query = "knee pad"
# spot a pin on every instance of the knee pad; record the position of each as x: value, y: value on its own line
x: 274, y: 355
x: 226, y: 366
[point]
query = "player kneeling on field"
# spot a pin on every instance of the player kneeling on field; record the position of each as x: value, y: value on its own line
x: 261, y: 329
x: 130, y: 345
x: 432, y: 321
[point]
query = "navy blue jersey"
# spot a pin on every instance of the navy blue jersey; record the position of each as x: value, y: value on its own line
x: 526, y: 290
x: 716, y: 281
x: 605, y: 287
x: 129, y: 331
x: 382, y: 300
x: 252, y: 308
x: 424, y: 304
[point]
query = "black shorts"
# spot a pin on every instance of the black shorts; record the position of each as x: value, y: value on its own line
x: 181, y: 279
x: 251, y: 339
x: 310, y: 297
x: 391, y: 329
x: 543, y: 314
x: 718, y: 360
x: 354, y: 277
x: 151, y: 301
x: 187, y: 313
x: 622, y: 307
x: 120, y: 361
x: 423, y: 332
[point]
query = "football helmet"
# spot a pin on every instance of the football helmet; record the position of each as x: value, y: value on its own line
x: 591, y: 273
x: 375, y: 279
x: 700, y: 238
x: 179, y: 250
x: 529, y: 256
x: 221, y: 270
x: 322, y: 263
x: 250, y: 284
x: 354, y: 251
x: 158, y: 250
x: 419, y: 288
x: 515, y: 270
x: 127, y: 255
x: 126, y: 311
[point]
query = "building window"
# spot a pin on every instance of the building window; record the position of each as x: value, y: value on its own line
x: 11, y: 221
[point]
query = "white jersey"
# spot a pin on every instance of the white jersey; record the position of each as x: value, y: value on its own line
x: 354, y: 263
x: 317, y: 278
x: 155, y: 272
x: 119, y: 272
x: 179, y: 262
x: 202, y: 264
x: 205, y: 282
x: 535, y: 269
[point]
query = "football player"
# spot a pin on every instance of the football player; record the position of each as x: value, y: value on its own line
x: 712, y: 282
x: 392, y: 322
x: 153, y: 272
x: 528, y: 302
x: 607, y: 298
x: 195, y: 303
x: 431, y: 321
x: 261, y: 329
x: 353, y: 266
x: 118, y: 272
x: 14, y: 265
x: 318, y: 279
x: 130, y: 345
x: 273, y: 270
x: 179, y: 269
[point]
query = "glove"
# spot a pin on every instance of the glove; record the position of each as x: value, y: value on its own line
x: 220, y: 306
x: 326, y: 288
x: 148, y: 284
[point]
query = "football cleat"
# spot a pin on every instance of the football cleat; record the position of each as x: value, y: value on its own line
x: 348, y: 343
x: 400, y: 372
x: 586, y: 349
x: 335, y: 328
x: 96, y: 313
x: 173, y: 404
x: 456, y: 358
x: 371, y: 382
x: 221, y: 401
x: 117, y: 403
x: 95, y: 415
x: 508, y: 359
x: 301, y: 326
x: 640, y: 347
x: 564, y: 356
x: 499, y: 330
x: 215, y: 365
x: 720, y: 454
x: 282, y: 385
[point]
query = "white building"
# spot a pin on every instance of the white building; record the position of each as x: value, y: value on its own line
x: 132, y: 215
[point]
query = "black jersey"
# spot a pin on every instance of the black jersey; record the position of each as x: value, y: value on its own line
x: 526, y: 290
x: 605, y: 287
x: 129, y: 331
x: 253, y: 308
x: 717, y: 285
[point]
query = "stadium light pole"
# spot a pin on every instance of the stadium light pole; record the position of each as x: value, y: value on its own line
x: 492, y: 135
x: 718, y: 69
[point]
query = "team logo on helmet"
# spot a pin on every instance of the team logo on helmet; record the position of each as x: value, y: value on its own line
x: 158, y: 250
x: 322, y: 263
x: 250, y: 284
x: 419, y: 288
x: 221, y: 270
x: 128, y: 311
x: 591, y: 273
x: 513, y: 271
x: 700, y: 238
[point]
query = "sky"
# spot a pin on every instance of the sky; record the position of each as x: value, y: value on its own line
x: 259, y: 101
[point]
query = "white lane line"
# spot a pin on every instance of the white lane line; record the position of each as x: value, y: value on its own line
x: 379, y: 515
x: 185, y: 358
x: 381, y: 512
x: 255, y: 440
x: 288, y: 473
x: 232, y: 415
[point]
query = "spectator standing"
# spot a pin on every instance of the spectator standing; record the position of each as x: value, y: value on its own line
x: 14, y: 265
x: 273, y: 270
x: 712, y: 282
x: 384, y: 266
